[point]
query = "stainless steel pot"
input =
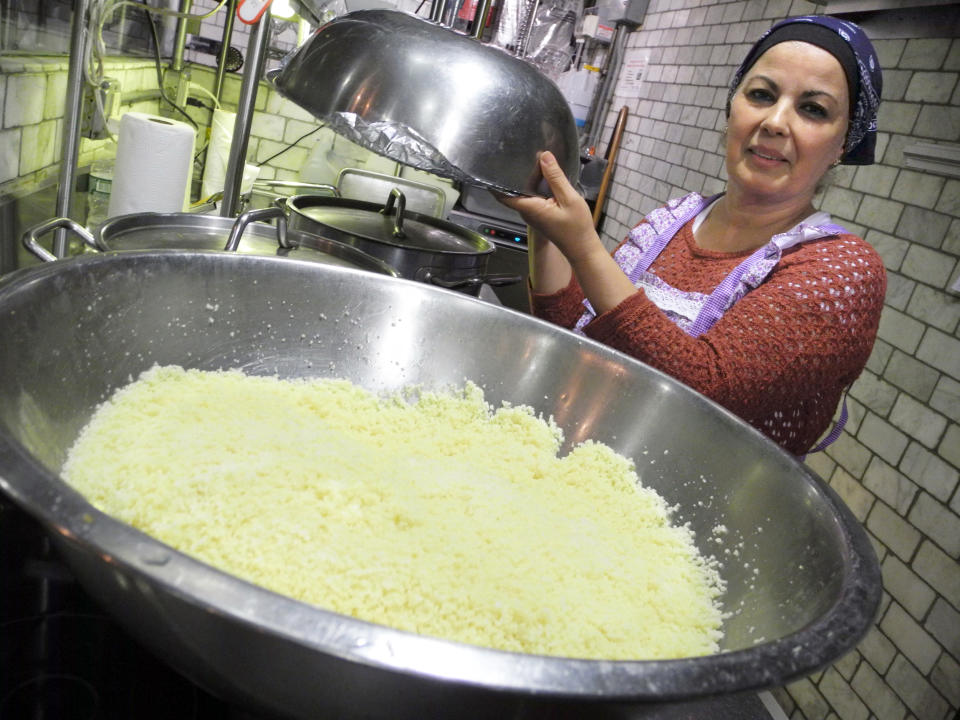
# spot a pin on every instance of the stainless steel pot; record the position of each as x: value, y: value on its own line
x: 420, y: 247
x: 187, y: 231
x: 803, y: 583
x: 431, y: 98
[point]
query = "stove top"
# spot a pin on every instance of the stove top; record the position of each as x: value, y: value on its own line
x: 62, y: 658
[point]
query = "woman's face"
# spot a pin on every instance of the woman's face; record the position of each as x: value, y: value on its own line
x: 788, y: 120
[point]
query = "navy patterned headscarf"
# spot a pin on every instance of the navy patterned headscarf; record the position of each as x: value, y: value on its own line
x: 854, y: 51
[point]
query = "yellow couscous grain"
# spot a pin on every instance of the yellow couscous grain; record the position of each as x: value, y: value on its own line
x: 428, y: 512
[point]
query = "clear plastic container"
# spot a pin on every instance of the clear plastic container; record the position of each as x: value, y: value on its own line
x: 99, y: 186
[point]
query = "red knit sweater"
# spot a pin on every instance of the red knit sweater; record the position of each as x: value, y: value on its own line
x: 781, y: 357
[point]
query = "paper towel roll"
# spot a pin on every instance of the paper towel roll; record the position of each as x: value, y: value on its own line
x: 218, y: 152
x: 154, y: 165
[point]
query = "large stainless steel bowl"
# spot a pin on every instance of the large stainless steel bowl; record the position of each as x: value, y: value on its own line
x: 803, y: 582
x: 429, y: 97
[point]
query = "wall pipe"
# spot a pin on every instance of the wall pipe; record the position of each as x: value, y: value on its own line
x: 224, y: 48
x: 180, y: 39
x: 70, y: 146
x: 252, y: 72
x: 611, y: 66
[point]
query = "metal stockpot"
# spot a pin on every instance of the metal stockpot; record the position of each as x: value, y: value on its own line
x: 803, y: 583
x: 420, y: 247
x: 187, y: 231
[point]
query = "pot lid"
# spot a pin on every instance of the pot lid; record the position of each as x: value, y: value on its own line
x: 187, y: 231
x: 390, y: 224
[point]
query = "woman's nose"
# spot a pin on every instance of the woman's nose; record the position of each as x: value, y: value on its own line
x: 776, y: 121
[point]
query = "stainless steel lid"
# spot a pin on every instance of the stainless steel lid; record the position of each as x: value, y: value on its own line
x: 390, y: 223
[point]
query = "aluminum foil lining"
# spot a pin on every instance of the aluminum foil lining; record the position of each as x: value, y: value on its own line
x: 401, y: 143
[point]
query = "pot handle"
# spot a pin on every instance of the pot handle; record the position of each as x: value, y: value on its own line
x: 240, y: 224
x: 397, y: 197
x: 30, y: 237
x: 472, y: 282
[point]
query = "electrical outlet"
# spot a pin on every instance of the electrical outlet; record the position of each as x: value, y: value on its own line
x: 93, y: 114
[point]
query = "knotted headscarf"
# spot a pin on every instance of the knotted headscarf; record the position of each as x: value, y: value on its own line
x: 854, y: 51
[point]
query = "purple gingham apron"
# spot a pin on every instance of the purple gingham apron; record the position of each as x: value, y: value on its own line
x: 695, y: 313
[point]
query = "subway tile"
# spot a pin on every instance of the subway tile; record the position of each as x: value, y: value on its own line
x: 852, y: 455
x: 881, y: 700
x: 874, y: 392
x: 898, y: 117
x: 23, y: 104
x: 268, y: 126
x: 879, y: 213
x: 895, y: 83
x: 875, y: 179
x: 54, y: 104
x: 939, y: 122
x: 940, y: 351
x: 909, y: 374
x: 914, y: 595
x: 9, y: 154
x: 842, y: 203
x: 899, y: 290
x: 952, y: 61
x: 945, y: 677
x: 879, y: 357
x: 931, y: 87
x: 37, y: 146
x: 937, y: 522
x: 916, y: 188
x: 889, y: 52
x: 910, y: 638
x: 808, y: 699
x: 930, y: 471
x: 943, y: 623
x: 951, y: 241
x: 900, y: 330
x: 940, y: 571
x: 915, y: 691
x: 891, y: 486
x: 877, y: 650
x: 893, y: 531
x: 882, y: 438
x: 950, y: 447
x: 935, y: 307
x: 842, y: 697
x: 925, y: 53
x: 924, y: 227
x: 891, y: 248
x: 854, y: 495
x: 918, y: 421
x: 928, y: 265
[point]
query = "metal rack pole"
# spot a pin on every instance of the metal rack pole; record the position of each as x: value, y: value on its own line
x: 71, y: 122
x: 224, y: 48
x: 252, y: 72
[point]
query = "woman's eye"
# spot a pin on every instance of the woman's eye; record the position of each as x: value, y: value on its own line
x: 815, y: 110
x: 759, y: 95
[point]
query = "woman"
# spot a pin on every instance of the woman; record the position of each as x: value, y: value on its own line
x: 751, y: 297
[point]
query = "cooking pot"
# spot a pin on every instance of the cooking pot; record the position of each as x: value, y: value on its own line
x: 144, y: 231
x: 803, y: 583
x: 420, y: 247
x: 434, y: 99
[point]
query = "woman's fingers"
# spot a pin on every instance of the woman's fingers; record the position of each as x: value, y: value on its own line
x: 556, y: 179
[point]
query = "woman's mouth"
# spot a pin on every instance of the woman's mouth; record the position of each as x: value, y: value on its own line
x: 769, y: 155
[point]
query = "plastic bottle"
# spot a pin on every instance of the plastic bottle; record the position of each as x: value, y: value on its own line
x: 98, y: 191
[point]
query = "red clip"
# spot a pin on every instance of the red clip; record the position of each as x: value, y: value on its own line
x: 250, y: 11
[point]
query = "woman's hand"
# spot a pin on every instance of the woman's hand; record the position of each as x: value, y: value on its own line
x: 564, y: 219
x: 564, y: 240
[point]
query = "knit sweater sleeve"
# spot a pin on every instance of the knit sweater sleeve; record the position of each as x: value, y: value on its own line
x: 811, y: 324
